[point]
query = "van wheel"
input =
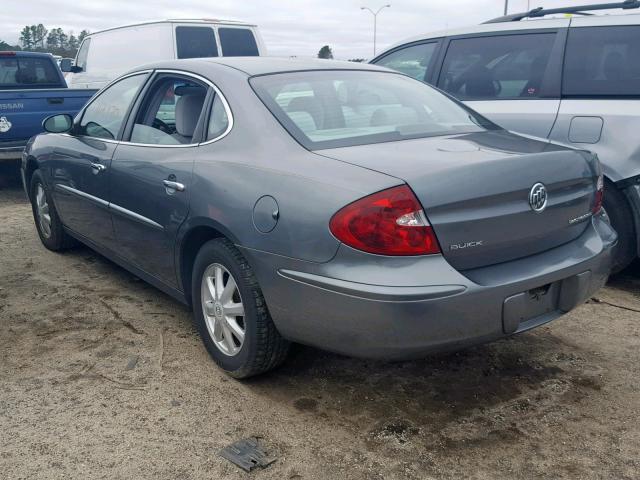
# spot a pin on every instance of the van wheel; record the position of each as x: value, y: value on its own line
x: 48, y: 224
x: 231, y: 314
x: 619, y: 212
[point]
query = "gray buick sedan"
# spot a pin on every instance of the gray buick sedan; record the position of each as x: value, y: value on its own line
x: 333, y: 204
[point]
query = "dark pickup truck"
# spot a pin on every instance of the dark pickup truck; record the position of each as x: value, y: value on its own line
x: 31, y: 89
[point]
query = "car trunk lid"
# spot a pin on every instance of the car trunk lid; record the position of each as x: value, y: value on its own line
x: 475, y: 190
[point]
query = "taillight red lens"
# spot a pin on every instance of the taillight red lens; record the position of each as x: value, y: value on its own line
x: 390, y: 222
x: 597, y: 205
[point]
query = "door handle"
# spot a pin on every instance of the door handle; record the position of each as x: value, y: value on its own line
x: 172, y: 186
x: 98, y: 167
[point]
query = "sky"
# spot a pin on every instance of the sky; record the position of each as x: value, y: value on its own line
x: 289, y: 27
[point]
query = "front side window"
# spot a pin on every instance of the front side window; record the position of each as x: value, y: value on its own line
x: 497, y: 67
x: 20, y: 72
x: 602, y: 61
x: 413, y: 61
x: 196, y: 42
x: 328, y: 109
x: 237, y: 42
x: 104, y: 117
x: 170, y: 112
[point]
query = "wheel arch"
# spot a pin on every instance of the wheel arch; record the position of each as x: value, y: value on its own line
x: 193, y: 235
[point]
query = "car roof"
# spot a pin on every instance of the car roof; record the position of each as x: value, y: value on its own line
x: 263, y: 65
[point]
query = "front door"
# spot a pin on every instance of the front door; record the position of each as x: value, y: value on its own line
x: 151, y: 173
x: 80, y: 163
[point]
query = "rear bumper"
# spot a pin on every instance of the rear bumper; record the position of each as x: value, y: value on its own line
x: 399, y: 308
x: 12, y: 150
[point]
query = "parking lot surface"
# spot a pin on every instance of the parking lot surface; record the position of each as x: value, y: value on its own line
x: 103, y: 376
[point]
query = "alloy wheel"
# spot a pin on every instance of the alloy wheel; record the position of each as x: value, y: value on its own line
x: 223, y: 309
x: 42, y: 208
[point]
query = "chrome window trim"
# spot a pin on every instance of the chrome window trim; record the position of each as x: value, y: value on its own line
x: 178, y: 72
x: 218, y: 93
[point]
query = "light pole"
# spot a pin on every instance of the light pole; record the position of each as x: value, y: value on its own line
x: 375, y: 23
x: 506, y: 6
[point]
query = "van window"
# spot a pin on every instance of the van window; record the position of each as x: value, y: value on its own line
x: 412, y: 61
x: 196, y: 42
x: 237, y: 42
x: 170, y: 112
x: 105, y: 115
x: 497, y: 67
x: 81, y: 58
x: 17, y: 72
x: 602, y: 61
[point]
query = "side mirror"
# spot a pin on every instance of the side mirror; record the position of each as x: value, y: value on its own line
x: 76, y: 69
x: 61, y: 123
x: 66, y: 64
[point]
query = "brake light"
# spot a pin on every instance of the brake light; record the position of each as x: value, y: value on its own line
x: 390, y: 222
x: 597, y: 205
x: 7, y: 54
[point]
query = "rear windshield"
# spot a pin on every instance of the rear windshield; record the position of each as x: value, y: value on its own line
x: 24, y: 72
x: 237, y: 42
x: 329, y: 109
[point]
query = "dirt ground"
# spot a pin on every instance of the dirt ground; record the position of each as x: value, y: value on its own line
x: 103, y: 376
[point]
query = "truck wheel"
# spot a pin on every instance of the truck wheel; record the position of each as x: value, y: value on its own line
x: 617, y: 207
x: 48, y: 224
x: 231, y: 314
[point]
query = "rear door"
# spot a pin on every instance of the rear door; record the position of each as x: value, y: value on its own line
x: 513, y: 78
x: 600, y: 108
x: 151, y: 172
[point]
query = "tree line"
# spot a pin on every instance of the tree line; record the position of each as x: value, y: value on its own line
x: 37, y: 38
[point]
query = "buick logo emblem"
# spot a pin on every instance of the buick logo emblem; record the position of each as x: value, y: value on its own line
x: 538, y: 198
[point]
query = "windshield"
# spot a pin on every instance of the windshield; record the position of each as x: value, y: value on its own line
x: 334, y: 108
x: 19, y: 72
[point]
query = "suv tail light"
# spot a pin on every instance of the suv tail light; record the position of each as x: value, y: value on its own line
x: 597, y: 205
x: 390, y: 222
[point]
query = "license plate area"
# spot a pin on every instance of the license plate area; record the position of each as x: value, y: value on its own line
x: 532, y: 304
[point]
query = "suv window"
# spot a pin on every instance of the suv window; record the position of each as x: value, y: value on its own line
x: 237, y: 42
x: 413, y: 61
x: 497, y: 67
x: 104, y: 117
x: 196, y: 42
x: 16, y: 72
x: 602, y: 61
x: 83, y: 53
x: 170, y: 112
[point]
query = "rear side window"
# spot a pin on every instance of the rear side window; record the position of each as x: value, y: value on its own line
x: 196, y: 42
x: 602, y: 61
x: 497, y: 67
x: 19, y: 72
x: 413, y: 61
x: 170, y: 112
x: 238, y: 42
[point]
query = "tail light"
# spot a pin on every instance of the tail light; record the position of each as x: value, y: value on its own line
x: 390, y: 222
x: 597, y: 205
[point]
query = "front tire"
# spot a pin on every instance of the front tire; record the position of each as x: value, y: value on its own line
x: 619, y: 212
x: 48, y: 223
x: 231, y: 314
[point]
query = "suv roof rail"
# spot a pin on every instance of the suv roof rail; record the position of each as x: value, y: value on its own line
x: 579, y: 10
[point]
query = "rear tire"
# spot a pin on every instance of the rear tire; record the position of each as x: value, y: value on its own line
x: 48, y: 223
x: 621, y: 216
x: 231, y: 314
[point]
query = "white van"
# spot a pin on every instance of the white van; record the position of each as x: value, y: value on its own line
x: 106, y: 55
